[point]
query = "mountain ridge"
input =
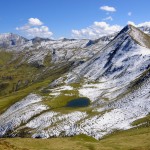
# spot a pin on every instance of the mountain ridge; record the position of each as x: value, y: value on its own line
x: 11, y: 36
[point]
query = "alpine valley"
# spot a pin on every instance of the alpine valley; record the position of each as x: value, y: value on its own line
x: 75, y: 87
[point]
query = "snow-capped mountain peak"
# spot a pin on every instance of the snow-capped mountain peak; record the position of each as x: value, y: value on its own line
x: 8, y: 40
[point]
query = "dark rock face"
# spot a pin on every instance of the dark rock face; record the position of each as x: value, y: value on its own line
x: 38, y: 40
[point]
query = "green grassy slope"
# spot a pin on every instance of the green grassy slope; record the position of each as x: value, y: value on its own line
x: 17, y: 81
x: 126, y: 140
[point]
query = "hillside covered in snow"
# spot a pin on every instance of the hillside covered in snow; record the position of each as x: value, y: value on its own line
x: 106, y: 81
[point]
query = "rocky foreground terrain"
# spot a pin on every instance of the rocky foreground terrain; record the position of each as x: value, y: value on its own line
x: 40, y: 77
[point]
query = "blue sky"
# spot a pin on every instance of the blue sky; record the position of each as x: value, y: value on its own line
x: 70, y: 18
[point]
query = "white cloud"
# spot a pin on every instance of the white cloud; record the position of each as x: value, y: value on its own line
x: 42, y: 31
x: 144, y: 24
x: 98, y: 29
x: 140, y: 24
x: 108, y: 8
x: 25, y: 27
x: 35, y: 28
x: 131, y: 23
x: 34, y: 22
x: 108, y: 18
x: 129, y: 13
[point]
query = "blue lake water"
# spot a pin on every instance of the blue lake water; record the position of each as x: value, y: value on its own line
x: 79, y: 102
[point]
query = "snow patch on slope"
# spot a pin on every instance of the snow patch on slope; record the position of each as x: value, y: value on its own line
x: 21, y: 112
x: 62, y: 124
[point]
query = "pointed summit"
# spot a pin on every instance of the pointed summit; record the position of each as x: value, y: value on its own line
x: 116, y: 58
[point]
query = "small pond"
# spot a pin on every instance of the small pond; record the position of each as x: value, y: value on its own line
x: 79, y: 102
